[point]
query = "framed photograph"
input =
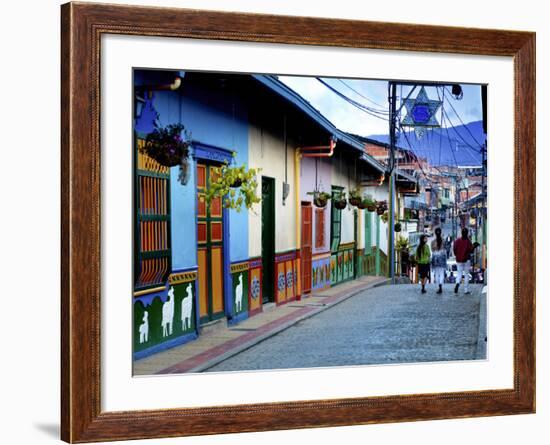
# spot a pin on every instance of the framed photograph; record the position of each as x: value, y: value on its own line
x: 274, y: 222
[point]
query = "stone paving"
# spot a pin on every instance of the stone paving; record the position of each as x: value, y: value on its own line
x: 219, y: 342
x: 387, y: 324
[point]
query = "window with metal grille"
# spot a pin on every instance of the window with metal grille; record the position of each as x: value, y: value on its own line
x: 151, y: 221
x: 319, y: 228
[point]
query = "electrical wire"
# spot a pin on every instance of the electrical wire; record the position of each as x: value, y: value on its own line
x: 455, y: 112
x: 359, y: 94
x: 382, y: 115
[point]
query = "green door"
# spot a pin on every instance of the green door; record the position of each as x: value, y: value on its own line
x: 268, y: 238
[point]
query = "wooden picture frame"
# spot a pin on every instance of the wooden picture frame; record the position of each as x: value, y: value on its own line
x: 82, y: 26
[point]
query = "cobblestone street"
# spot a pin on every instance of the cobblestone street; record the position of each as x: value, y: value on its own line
x: 387, y: 324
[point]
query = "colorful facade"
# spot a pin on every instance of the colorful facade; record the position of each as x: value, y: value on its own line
x: 198, y: 263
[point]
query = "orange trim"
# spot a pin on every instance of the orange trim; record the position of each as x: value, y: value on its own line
x: 330, y: 148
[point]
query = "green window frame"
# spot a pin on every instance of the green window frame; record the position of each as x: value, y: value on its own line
x: 368, y: 232
x: 152, y: 231
x: 335, y: 221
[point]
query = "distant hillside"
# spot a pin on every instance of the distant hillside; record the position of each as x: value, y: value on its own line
x: 444, y: 147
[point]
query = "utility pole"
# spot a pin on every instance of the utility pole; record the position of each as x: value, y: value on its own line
x: 391, y: 219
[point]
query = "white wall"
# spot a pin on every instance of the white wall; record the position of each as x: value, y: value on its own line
x: 33, y: 53
x: 267, y: 151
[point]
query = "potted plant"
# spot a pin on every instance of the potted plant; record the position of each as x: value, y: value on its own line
x: 355, y: 197
x: 320, y: 199
x: 368, y: 203
x: 339, y: 200
x: 381, y: 207
x: 402, y: 246
x: 236, y: 186
x: 166, y: 145
x: 384, y: 216
x: 397, y: 227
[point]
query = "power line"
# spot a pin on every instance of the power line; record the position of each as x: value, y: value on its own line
x: 464, y: 142
x: 359, y: 94
x: 370, y: 111
x: 467, y: 129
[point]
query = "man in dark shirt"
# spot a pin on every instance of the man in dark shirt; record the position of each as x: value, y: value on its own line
x: 462, y: 249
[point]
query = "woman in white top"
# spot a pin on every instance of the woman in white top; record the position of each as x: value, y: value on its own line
x: 439, y: 260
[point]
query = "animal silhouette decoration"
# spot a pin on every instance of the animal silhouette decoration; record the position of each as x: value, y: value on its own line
x: 168, y: 314
x: 144, y: 329
x: 239, y: 295
x: 186, y: 306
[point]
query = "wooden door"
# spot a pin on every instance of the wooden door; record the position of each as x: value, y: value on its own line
x: 305, y: 248
x: 209, y: 247
x: 268, y: 238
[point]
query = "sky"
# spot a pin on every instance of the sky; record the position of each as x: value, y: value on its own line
x: 374, y: 94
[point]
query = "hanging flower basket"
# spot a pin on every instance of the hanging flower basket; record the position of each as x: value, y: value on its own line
x: 368, y: 203
x: 340, y: 201
x: 237, y: 183
x: 236, y: 186
x: 381, y: 207
x: 320, y: 199
x: 341, y: 204
x: 166, y: 146
x: 397, y: 227
x: 355, y: 197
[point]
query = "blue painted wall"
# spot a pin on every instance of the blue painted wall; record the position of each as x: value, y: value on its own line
x: 216, y: 118
x: 221, y: 120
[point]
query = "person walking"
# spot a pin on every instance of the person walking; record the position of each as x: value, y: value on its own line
x: 463, y: 248
x: 439, y: 260
x: 423, y: 255
x: 448, y: 245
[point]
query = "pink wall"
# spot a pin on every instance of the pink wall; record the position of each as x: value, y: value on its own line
x: 307, y: 184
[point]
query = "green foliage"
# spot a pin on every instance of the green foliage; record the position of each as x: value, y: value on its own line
x: 320, y: 195
x: 384, y: 217
x: 320, y: 199
x: 402, y: 244
x: 236, y: 186
x: 355, y: 194
x: 166, y: 145
x: 368, y: 201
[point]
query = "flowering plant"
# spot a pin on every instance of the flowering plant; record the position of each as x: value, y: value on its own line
x: 355, y: 197
x: 236, y: 186
x: 320, y: 199
x: 166, y: 145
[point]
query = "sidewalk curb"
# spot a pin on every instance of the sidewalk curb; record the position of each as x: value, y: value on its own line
x: 237, y: 350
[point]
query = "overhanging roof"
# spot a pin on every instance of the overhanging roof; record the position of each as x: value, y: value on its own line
x: 278, y: 87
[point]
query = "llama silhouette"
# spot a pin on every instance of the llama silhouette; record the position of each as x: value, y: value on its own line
x: 239, y: 294
x: 168, y: 314
x: 186, y: 306
x: 144, y: 329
